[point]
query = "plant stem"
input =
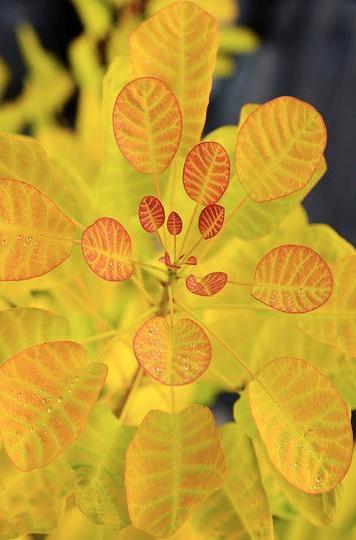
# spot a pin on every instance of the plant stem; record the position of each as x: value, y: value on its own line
x: 136, y: 381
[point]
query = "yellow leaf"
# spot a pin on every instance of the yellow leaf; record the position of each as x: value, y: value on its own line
x: 224, y: 10
x: 303, y: 422
x: 95, y: 15
x: 238, y: 40
x: 4, y: 76
x: 173, y: 463
x: 98, y: 459
x: 279, y: 148
x: 46, y: 394
x: 178, y: 45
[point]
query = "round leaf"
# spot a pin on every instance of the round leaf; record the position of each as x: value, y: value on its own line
x: 151, y: 213
x: 174, y: 224
x: 208, y: 286
x: 211, y: 220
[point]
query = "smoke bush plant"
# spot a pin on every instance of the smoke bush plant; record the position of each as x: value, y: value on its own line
x: 134, y: 294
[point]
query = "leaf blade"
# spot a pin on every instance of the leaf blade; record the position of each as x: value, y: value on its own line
x: 211, y: 220
x: 151, y: 213
x: 207, y: 286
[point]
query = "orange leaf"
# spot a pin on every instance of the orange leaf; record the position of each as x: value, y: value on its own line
x: 279, y: 148
x: 178, y: 45
x: 172, y: 355
x: 47, y: 392
x: 147, y: 123
x: 292, y: 278
x: 174, y: 224
x: 206, y: 172
x: 173, y: 463
x: 106, y: 247
x: 151, y: 213
x: 211, y: 220
x: 35, y: 235
x: 192, y: 260
x: 208, y: 286
x: 166, y: 259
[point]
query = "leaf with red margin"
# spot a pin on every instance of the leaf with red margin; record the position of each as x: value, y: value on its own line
x: 147, y: 123
x: 192, y: 260
x: 47, y: 392
x: 173, y: 355
x: 166, y: 259
x: 211, y: 220
x: 106, y: 248
x: 206, y: 172
x: 293, y: 279
x: 279, y: 148
x: 151, y: 213
x: 174, y: 224
x: 35, y: 235
x: 208, y: 286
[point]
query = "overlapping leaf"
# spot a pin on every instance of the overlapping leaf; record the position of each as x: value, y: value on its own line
x: 178, y: 45
x: 106, y: 247
x: 207, y: 286
x: 303, y: 422
x: 211, y: 220
x: 46, y: 394
x: 172, y: 355
x: 173, y: 463
x: 292, y: 278
x: 174, y: 224
x: 206, y: 172
x: 98, y: 458
x: 279, y: 148
x: 151, y: 213
x: 35, y: 236
x: 147, y: 123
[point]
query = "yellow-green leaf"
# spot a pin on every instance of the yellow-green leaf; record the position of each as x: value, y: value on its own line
x: 303, y: 422
x: 173, y: 463
x: 46, y: 393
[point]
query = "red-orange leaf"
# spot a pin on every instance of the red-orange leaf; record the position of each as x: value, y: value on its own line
x: 172, y: 355
x: 147, y: 123
x: 192, y: 260
x: 151, y: 213
x: 174, y: 224
x: 106, y: 247
x: 209, y: 285
x: 206, y: 172
x: 166, y: 259
x: 292, y: 278
x: 211, y: 220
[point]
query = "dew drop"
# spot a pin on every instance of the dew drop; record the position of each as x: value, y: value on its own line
x: 59, y: 399
x: 49, y: 410
x: 295, y: 465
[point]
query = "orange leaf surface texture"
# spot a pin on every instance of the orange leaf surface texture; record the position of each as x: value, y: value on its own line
x: 208, y: 286
x: 106, y: 247
x: 147, y: 123
x: 293, y: 279
x: 47, y: 392
x: 173, y: 463
x: 174, y: 224
x: 35, y: 235
x: 211, y: 220
x: 303, y: 422
x: 206, y: 172
x: 151, y: 213
x: 279, y: 147
x: 186, y: 38
x: 173, y: 355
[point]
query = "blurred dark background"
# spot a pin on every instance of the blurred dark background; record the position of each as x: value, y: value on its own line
x: 308, y: 50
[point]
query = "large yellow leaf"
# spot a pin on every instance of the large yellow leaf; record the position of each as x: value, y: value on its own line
x: 242, y: 503
x: 279, y: 148
x: 335, y: 323
x: 173, y: 463
x: 98, y: 458
x: 46, y: 393
x: 224, y: 10
x: 303, y: 422
x: 178, y: 45
x: 22, y: 327
x: 35, y: 236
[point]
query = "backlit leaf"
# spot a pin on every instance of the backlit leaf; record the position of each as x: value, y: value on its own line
x: 172, y: 355
x: 303, y: 422
x: 206, y: 172
x: 98, y: 458
x: 46, y: 394
x: 151, y: 213
x: 211, y: 220
x: 35, y: 236
x: 207, y: 286
x: 173, y: 463
x: 279, y: 147
x: 106, y: 247
x: 178, y: 45
x: 174, y: 224
x: 166, y: 259
x: 147, y: 123
x: 191, y: 260
x: 292, y: 278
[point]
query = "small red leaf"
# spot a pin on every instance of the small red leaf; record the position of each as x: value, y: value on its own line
x: 208, y: 285
x: 174, y: 224
x: 191, y: 260
x: 166, y: 259
x: 211, y: 220
x: 151, y: 213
